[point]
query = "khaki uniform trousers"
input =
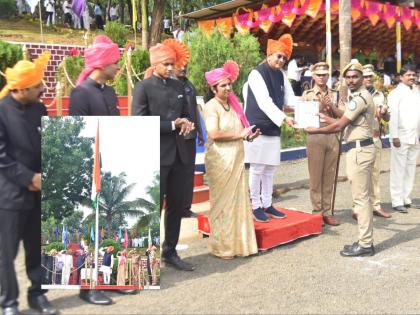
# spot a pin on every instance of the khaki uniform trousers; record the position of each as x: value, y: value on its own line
x: 376, y: 192
x: 322, y: 152
x: 360, y: 162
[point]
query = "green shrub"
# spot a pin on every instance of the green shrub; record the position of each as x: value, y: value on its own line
x: 74, y: 66
x: 9, y: 55
x: 117, y: 246
x: 58, y: 246
x: 209, y: 52
x: 291, y: 137
x: 7, y: 8
x: 140, y: 62
x: 117, y: 32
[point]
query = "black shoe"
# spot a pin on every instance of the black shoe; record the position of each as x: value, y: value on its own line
x: 176, y: 262
x: 400, y: 209
x: 412, y: 205
x: 94, y: 297
x: 356, y: 250
x: 11, y: 310
x: 41, y: 304
x: 259, y: 215
x: 127, y: 292
x: 189, y: 214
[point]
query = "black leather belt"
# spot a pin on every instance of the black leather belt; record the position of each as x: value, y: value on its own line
x: 363, y: 143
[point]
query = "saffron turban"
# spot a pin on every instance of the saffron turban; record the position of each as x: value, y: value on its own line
x: 282, y: 45
x: 168, y: 49
x: 102, y: 53
x: 25, y: 74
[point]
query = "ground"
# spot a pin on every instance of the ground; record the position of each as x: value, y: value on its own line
x: 305, y: 276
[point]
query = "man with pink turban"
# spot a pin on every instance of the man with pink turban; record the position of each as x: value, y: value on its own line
x: 92, y: 96
x: 159, y: 95
x: 20, y: 182
x: 266, y: 94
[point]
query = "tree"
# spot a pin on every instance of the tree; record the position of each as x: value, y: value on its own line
x: 144, y: 25
x: 157, y: 18
x: 113, y: 203
x: 66, y: 166
x: 151, y: 218
x: 74, y: 221
x: 345, y: 26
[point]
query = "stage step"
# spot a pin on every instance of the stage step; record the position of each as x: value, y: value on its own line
x: 277, y: 231
x: 198, y: 179
x: 201, y: 194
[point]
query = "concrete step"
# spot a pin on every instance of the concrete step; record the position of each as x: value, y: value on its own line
x: 198, y: 179
x: 201, y: 194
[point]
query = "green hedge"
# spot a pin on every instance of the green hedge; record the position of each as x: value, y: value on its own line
x: 58, y: 246
x: 8, y: 8
x: 117, y: 32
x: 9, y: 55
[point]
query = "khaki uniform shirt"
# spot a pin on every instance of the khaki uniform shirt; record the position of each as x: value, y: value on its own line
x: 312, y: 95
x: 379, y: 100
x: 360, y: 110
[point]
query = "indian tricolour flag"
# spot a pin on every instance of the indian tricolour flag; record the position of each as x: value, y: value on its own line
x: 96, y: 180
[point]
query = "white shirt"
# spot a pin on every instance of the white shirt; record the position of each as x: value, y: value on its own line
x: 387, y: 80
x: 66, y: 7
x: 293, y: 71
x: 404, y: 104
x: 49, y: 6
x: 113, y: 11
x: 166, y: 23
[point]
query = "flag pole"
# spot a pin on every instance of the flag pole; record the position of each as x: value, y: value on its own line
x: 96, y: 237
x: 40, y: 21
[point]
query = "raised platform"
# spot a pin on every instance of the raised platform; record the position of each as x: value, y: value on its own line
x: 278, y: 231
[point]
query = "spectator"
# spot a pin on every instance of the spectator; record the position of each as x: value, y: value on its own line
x: 67, y: 13
x: 49, y: 8
x: 98, y: 16
x: 167, y: 25
x: 113, y: 14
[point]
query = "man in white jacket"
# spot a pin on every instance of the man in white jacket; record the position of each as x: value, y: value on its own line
x: 404, y: 132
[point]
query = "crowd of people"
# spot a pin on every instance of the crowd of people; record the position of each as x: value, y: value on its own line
x: 236, y: 134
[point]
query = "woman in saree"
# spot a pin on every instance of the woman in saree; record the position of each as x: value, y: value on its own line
x: 232, y: 226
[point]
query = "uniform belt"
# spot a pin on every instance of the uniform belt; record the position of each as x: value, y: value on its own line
x: 363, y: 143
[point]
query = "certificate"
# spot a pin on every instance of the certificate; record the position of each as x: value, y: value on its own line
x: 307, y: 114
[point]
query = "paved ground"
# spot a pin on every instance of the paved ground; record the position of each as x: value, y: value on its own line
x: 306, y: 276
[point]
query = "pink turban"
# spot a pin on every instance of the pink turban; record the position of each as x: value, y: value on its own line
x: 230, y: 70
x: 102, y: 53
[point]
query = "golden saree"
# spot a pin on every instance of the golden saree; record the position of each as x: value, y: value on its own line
x: 232, y: 226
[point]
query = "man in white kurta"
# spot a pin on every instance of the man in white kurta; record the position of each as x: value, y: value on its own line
x: 267, y: 93
x: 404, y: 132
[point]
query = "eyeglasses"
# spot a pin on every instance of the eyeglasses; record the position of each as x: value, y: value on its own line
x: 281, y: 57
x: 321, y: 75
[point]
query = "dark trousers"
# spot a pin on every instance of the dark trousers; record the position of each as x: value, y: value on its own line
x: 297, y: 87
x: 99, y: 22
x: 19, y: 225
x: 68, y: 19
x: 189, y: 178
x: 172, y: 179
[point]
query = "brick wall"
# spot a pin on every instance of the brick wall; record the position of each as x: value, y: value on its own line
x: 58, y: 52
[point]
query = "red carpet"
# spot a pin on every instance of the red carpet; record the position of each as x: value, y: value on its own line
x: 113, y: 287
x: 278, y: 231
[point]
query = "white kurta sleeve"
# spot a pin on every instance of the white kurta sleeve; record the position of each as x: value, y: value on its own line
x: 290, y: 98
x: 394, y: 104
x: 264, y: 101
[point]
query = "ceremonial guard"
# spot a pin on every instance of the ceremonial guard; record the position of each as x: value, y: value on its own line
x: 357, y: 121
x: 322, y: 149
x: 381, y: 112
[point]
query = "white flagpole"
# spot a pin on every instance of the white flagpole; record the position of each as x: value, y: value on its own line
x: 96, y: 238
x: 328, y: 48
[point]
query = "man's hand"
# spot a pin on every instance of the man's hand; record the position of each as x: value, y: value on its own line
x: 290, y: 121
x: 311, y: 130
x: 326, y: 119
x: 36, y: 183
x: 185, y: 125
x: 396, y: 142
x: 253, y: 135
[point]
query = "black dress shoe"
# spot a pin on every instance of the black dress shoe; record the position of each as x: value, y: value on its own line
x: 189, y: 214
x: 11, y: 310
x: 400, y: 209
x: 176, y: 262
x: 95, y: 297
x: 412, y: 205
x: 41, y: 304
x: 356, y: 250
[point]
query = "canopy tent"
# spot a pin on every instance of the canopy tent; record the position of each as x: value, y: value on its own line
x: 373, y: 27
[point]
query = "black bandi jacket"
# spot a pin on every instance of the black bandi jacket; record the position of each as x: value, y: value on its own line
x: 20, y: 153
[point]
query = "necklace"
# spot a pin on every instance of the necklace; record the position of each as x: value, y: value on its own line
x: 228, y: 106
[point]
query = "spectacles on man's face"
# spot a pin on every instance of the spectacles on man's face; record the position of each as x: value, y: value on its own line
x: 281, y: 57
x: 322, y: 75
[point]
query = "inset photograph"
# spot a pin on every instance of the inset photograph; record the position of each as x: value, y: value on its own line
x: 100, y: 214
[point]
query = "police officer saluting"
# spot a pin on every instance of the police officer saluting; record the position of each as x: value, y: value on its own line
x: 357, y: 121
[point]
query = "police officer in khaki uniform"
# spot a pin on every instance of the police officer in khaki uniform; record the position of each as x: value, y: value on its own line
x: 322, y: 149
x: 381, y: 112
x: 358, y: 121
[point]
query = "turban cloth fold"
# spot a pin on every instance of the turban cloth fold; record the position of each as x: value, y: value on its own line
x: 169, y: 49
x: 230, y: 70
x: 282, y: 45
x: 102, y: 53
x: 25, y: 74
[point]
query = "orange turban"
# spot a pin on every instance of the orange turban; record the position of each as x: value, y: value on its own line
x: 25, y: 74
x: 283, y: 45
x: 168, y: 49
